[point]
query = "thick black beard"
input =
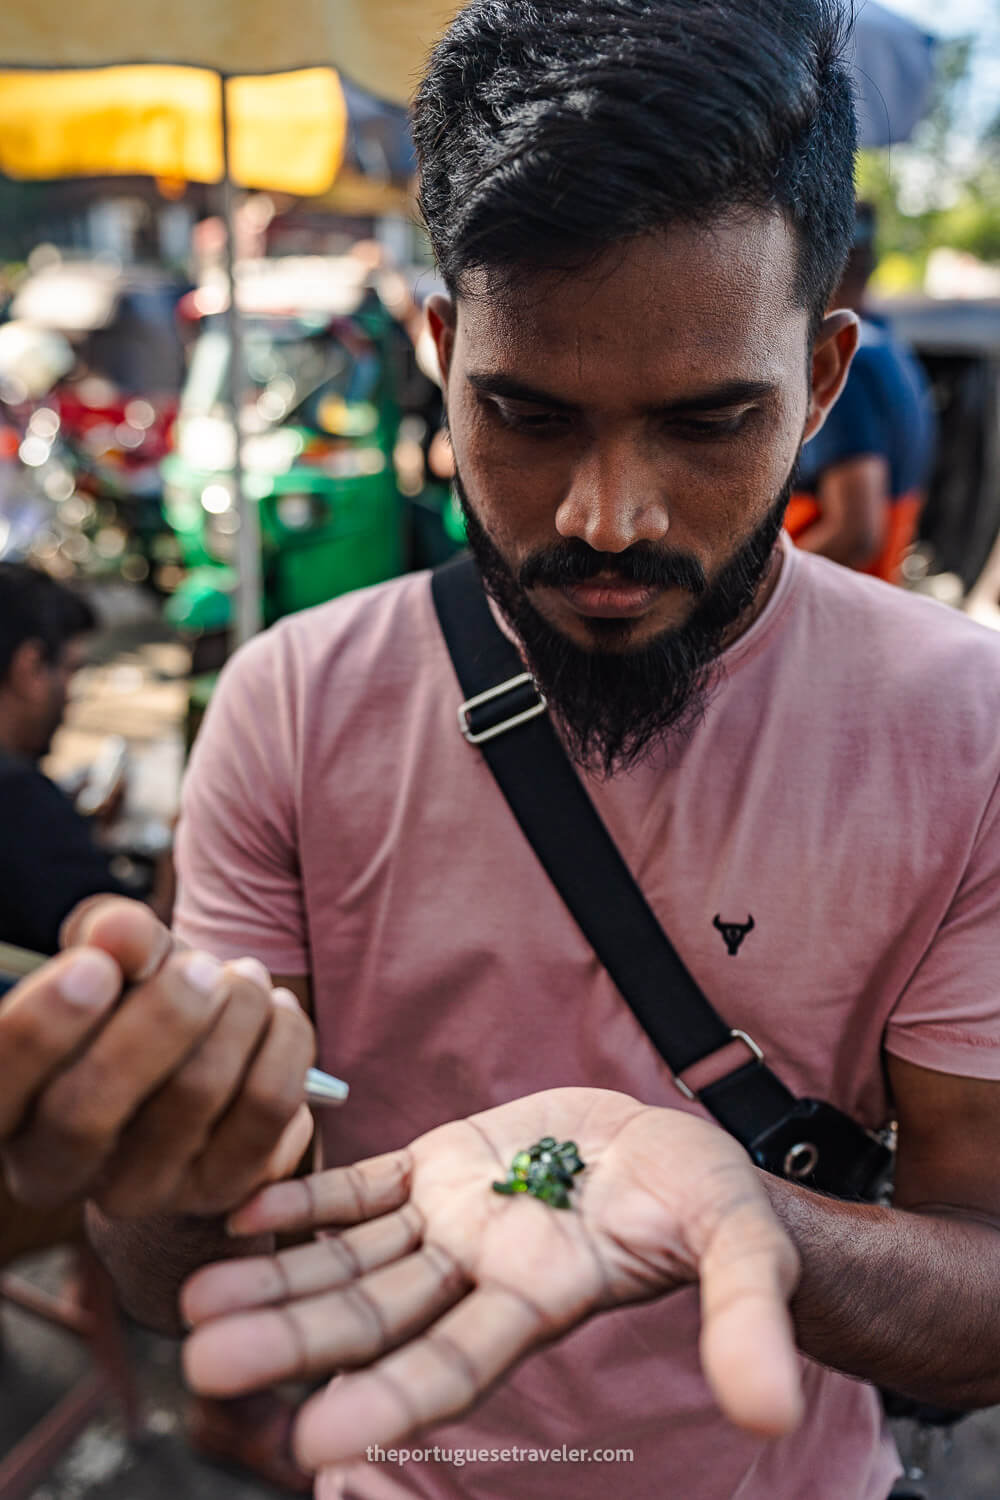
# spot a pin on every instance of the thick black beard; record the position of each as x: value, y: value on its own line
x: 616, y: 705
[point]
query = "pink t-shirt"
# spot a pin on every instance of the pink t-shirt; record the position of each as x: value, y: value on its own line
x: 841, y: 790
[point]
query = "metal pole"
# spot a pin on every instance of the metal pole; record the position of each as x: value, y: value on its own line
x: 248, y: 594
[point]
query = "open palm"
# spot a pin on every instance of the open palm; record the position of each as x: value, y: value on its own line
x: 440, y: 1285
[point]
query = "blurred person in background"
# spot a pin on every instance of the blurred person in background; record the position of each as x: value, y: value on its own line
x: 400, y: 299
x: 49, y: 857
x: 862, y: 479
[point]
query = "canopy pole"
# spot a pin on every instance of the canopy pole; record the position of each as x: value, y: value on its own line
x: 248, y: 567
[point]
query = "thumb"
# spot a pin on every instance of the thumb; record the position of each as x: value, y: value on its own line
x: 127, y: 930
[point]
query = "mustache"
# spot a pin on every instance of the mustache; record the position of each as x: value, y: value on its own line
x: 643, y: 564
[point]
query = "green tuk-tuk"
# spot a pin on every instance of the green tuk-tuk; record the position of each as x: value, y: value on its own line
x: 328, y: 372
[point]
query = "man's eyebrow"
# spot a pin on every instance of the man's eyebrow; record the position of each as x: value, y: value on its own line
x: 514, y: 390
x: 716, y: 398
x: 720, y: 397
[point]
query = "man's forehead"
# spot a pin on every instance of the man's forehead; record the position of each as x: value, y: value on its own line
x: 704, y: 291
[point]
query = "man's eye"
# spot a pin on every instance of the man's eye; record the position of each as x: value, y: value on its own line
x: 542, y: 423
x: 701, y: 428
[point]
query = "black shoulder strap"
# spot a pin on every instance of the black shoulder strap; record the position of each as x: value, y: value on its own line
x: 505, y: 715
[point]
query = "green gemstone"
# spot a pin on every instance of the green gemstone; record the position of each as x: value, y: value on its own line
x: 545, y: 1170
x: 569, y: 1157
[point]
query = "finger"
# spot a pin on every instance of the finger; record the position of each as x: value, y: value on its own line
x: 43, y: 1021
x: 748, y: 1273
x: 427, y: 1381
x: 173, y: 1128
x: 77, y: 1120
x: 335, y: 1484
x: 69, y: 927
x: 315, y: 1335
x: 343, y: 1195
x: 254, y: 970
x: 304, y: 1271
x: 238, y: 1156
x: 128, y: 930
x: 288, y: 1154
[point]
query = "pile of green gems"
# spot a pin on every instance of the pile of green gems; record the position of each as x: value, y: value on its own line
x: 546, y: 1170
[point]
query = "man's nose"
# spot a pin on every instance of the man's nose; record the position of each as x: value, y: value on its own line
x: 614, y: 501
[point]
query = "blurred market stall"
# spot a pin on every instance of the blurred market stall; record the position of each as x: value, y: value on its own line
x: 285, y: 132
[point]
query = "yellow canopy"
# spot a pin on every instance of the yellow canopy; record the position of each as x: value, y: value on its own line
x: 381, y: 44
x: 287, y: 132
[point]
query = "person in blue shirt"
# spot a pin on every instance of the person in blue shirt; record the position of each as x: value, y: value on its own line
x: 862, y: 479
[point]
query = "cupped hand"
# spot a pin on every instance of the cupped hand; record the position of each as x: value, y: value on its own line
x: 148, y: 1078
x: 439, y: 1285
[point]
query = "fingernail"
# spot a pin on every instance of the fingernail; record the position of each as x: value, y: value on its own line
x: 202, y: 972
x: 91, y: 979
x: 252, y: 968
x: 287, y: 999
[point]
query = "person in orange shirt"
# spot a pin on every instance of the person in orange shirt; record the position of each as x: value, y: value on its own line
x: 862, y: 479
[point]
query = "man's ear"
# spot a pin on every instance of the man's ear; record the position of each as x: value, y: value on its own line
x: 833, y: 351
x: 441, y: 319
x: 28, y: 676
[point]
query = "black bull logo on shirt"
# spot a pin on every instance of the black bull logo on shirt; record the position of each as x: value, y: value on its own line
x: 733, y: 932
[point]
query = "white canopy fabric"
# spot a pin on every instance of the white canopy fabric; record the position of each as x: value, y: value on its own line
x: 381, y: 44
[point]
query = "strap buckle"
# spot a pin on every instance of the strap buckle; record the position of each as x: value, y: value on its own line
x: 520, y: 716
x: 735, y: 1035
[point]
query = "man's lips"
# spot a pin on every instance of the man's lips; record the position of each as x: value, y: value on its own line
x: 605, y: 598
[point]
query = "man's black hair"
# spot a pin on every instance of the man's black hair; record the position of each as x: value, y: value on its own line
x: 35, y: 607
x: 549, y: 130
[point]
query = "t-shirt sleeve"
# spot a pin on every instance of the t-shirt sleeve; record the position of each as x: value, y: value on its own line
x: 948, y: 1017
x: 48, y: 861
x: 239, y: 885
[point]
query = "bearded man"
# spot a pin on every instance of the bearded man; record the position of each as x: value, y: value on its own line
x: 641, y: 209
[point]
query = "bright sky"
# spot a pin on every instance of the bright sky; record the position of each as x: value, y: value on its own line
x: 980, y: 18
x: 962, y: 15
